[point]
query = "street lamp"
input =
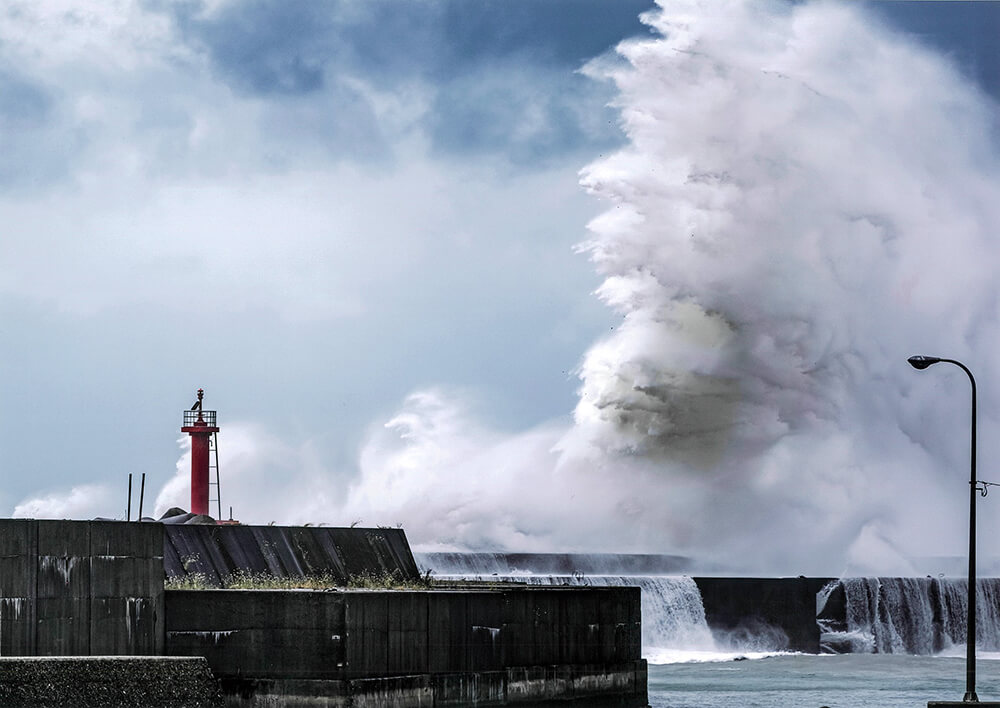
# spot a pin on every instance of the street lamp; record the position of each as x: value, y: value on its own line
x: 922, y: 362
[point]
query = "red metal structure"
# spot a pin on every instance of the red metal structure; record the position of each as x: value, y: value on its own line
x: 200, y: 425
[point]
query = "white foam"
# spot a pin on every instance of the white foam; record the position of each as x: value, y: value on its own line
x: 657, y: 655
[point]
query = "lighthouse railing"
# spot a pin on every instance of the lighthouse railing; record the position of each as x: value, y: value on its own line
x: 207, y: 418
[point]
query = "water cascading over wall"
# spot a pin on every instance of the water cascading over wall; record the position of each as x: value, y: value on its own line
x: 906, y: 615
x: 672, y: 610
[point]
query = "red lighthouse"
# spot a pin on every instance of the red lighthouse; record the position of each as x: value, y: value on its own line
x: 200, y: 425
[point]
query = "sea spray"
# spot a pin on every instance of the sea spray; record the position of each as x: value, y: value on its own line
x: 800, y: 197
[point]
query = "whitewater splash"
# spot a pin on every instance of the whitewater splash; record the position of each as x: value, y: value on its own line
x: 907, y: 615
x: 674, y: 627
x: 801, y: 192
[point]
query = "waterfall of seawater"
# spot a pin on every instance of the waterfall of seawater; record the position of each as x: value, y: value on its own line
x: 673, y: 616
x: 914, y: 615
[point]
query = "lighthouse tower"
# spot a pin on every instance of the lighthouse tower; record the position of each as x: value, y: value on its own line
x: 200, y: 425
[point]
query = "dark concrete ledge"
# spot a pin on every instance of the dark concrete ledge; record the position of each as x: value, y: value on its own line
x: 107, y: 682
x: 621, y: 685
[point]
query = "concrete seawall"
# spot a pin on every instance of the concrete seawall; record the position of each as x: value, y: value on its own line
x: 463, y: 647
x: 94, y: 588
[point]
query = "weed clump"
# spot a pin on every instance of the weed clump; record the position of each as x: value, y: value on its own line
x: 248, y: 580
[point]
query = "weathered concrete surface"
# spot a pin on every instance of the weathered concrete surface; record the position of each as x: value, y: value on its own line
x: 216, y: 552
x: 563, y: 685
x: 79, y: 588
x: 308, y: 634
x: 108, y: 682
x: 757, y: 607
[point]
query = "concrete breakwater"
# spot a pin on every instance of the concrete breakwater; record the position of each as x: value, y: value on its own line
x: 214, y: 553
x: 463, y: 647
x: 78, y: 589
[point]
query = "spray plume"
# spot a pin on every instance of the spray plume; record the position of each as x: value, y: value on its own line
x: 804, y: 201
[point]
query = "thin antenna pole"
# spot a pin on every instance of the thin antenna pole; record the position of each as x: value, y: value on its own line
x: 128, y: 514
x: 142, y: 493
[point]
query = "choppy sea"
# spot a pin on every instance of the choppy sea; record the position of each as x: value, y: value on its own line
x: 811, y: 681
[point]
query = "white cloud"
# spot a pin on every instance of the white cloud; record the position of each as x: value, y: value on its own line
x: 86, y: 501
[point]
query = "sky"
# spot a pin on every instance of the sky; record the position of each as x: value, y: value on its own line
x: 524, y: 275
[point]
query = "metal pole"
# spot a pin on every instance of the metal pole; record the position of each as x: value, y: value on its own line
x: 142, y: 493
x: 970, y: 641
x: 128, y: 513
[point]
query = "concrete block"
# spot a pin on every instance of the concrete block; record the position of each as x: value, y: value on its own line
x: 63, y: 626
x: 17, y: 576
x: 122, y: 626
x: 63, y: 539
x: 447, y: 632
x: 16, y: 628
x: 580, y: 636
x: 264, y: 653
x: 120, y: 538
x: 485, y: 631
x: 518, y: 628
x: 221, y: 610
x: 124, y: 576
x: 407, y: 633
x: 63, y: 576
x: 615, y: 634
x: 18, y: 537
x: 366, y: 618
x: 549, y: 625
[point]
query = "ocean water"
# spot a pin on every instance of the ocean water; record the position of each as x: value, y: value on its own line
x: 809, y: 681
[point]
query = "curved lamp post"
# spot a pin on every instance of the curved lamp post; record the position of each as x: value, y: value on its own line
x: 922, y: 362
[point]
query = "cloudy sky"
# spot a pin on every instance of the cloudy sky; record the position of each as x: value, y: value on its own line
x: 360, y: 227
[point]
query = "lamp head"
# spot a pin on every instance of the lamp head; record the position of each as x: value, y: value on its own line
x: 922, y: 362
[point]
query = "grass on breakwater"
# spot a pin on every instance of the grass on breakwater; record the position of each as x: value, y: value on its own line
x: 246, y: 580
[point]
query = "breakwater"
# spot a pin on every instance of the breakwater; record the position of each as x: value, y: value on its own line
x: 725, y: 614
x: 85, y: 588
x: 459, y: 647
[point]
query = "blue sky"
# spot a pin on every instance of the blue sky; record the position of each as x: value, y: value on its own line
x: 311, y: 210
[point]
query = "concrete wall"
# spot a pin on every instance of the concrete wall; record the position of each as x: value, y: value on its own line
x: 355, y: 634
x: 79, y: 588
x: 755, y: 606
x: 602, y: 685
x: 108, y: 682
x: 217, y: 552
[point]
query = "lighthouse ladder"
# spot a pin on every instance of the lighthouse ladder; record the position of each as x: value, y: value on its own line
x: 213, y: 475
